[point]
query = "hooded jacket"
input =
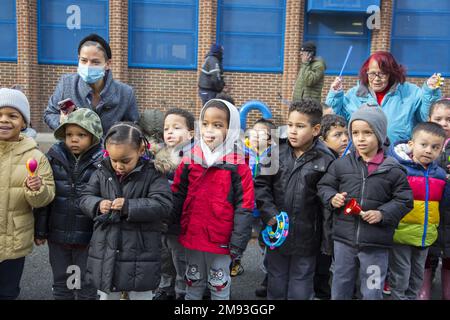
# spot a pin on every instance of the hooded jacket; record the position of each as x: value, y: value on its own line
x: 211, y: 75
x: 419, y: 227
x: 16, y: 200
x: 125, y: 249
x: 63, y: 221
x: 213, y: 194
x: 118, y: 102
x: 386, y: 189
x: 404, y: 104
x: 293, y: 189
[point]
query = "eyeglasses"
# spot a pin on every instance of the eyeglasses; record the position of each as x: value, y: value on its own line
x: 380, y: 75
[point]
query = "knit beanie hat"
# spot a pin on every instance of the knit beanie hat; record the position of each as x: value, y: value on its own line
x: 308, y: 46
x: 16, y: 99
x: 96, y: 38
x: 375, y: 117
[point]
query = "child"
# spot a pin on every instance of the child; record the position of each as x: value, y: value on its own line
x: 128, y: 199
x: 379, y: 185
x: 292, y: 189
x: 20, y: 192
x: 178, y: 128
x: 213, y: 192
x: 73, y: 159
x: 257, y: 146
x: 440, y: 113
x: 334, y: 133
x: 418, y: 229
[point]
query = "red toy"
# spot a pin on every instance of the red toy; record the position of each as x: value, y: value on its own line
x: 353, y: 208
x: 32, y: 166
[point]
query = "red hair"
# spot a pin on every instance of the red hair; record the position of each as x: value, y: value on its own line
x: 387, y: 64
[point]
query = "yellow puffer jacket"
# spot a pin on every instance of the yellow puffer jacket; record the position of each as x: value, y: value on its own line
x: 16, y: 200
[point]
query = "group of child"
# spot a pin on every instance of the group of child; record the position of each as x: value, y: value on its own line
x: 125, y: 205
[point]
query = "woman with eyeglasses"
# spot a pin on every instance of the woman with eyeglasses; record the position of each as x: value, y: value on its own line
x: 382, y: 82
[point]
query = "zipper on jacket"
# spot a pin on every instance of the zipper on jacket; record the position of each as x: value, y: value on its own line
x: 427, y: 195
x: 361, y: 203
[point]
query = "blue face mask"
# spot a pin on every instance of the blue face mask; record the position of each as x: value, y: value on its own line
x: 91, y: 74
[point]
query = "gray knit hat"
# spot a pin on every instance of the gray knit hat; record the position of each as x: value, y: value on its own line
x: 375, y: 117
x: 16, y: 99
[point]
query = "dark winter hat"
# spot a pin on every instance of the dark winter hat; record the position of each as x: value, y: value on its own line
x: 96, y: 38
x: 375, y: 117
x: 216, y: 48
x: 308, y: 46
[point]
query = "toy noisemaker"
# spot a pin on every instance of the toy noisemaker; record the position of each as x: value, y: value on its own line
x: 353, y: 208
x: 32, y: 166
x: 440, y: 81
x: 275, y: 238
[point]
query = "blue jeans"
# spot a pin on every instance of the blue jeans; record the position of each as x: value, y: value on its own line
x: 290, y: 277
x: 373, y: 264
x: 10, y: 275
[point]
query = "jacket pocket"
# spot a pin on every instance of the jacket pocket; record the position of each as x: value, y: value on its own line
x: 218, y: 236
x: 23, y: 231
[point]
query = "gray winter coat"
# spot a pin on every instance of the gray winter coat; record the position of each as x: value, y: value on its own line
x: 118, y: 102
x: 125, y: 249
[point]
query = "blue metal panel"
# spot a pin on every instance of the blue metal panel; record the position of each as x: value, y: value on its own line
x: 340, y: 5
x: 163, y: 34
x: 8, y: 31
x: 421, y: 36
x: 252, y: 34
x: 334, y: 33
x: 59, y: 36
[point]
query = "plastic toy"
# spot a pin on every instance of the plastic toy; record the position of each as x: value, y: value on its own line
x: 32, y: 166
x: 274, y: 239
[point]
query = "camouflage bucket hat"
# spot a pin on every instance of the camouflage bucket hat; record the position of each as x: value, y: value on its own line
x: 84, y: 118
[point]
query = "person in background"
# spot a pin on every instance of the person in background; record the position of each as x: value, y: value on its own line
x: 93, y: 87
x: 211, y: 81
x: 311, y: 76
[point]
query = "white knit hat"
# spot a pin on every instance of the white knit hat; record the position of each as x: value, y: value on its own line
x: 15, y: 99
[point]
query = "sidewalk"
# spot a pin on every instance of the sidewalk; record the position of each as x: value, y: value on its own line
x: 45, y: 141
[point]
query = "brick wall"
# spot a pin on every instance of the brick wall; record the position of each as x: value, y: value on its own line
x: 164, y: 88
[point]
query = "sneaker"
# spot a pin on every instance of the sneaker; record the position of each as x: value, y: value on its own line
x: 237, y: 269
x: 261, y: 292
x: 162, y: 295
x: 387, y: 288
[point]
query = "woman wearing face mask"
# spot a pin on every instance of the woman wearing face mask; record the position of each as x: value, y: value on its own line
x: 94, y: 87
x: 382, y: 82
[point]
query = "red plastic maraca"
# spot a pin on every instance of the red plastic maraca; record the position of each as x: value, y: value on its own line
x: 32, y: 166
x: 353, y: 208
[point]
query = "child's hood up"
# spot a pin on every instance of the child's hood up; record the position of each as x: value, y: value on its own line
x: 232, y: 138
x: 84, y: 118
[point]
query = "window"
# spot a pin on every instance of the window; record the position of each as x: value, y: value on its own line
x: 333, y: 33
x: 421, y: 36
x: 63, y: 23
x: 8, y: 32
x: 252, y: 34
x: 163, y: 34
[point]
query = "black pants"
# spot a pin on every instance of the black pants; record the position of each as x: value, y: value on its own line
x: 10, y: 275
x: 206, y: 95
x: 322, y: 287
x: 60, y: 259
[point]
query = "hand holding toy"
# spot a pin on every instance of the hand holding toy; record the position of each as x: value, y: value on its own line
x: 353, y: 208
x: 276, y: 238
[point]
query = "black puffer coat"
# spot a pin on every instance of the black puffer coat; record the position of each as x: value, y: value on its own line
x: 386, y: 189
x: 63, y: 221
x: 442, y: 244
x: 293, y: 189
x: 125, y: 250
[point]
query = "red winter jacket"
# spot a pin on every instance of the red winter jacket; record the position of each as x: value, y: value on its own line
x: 215, y: 203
